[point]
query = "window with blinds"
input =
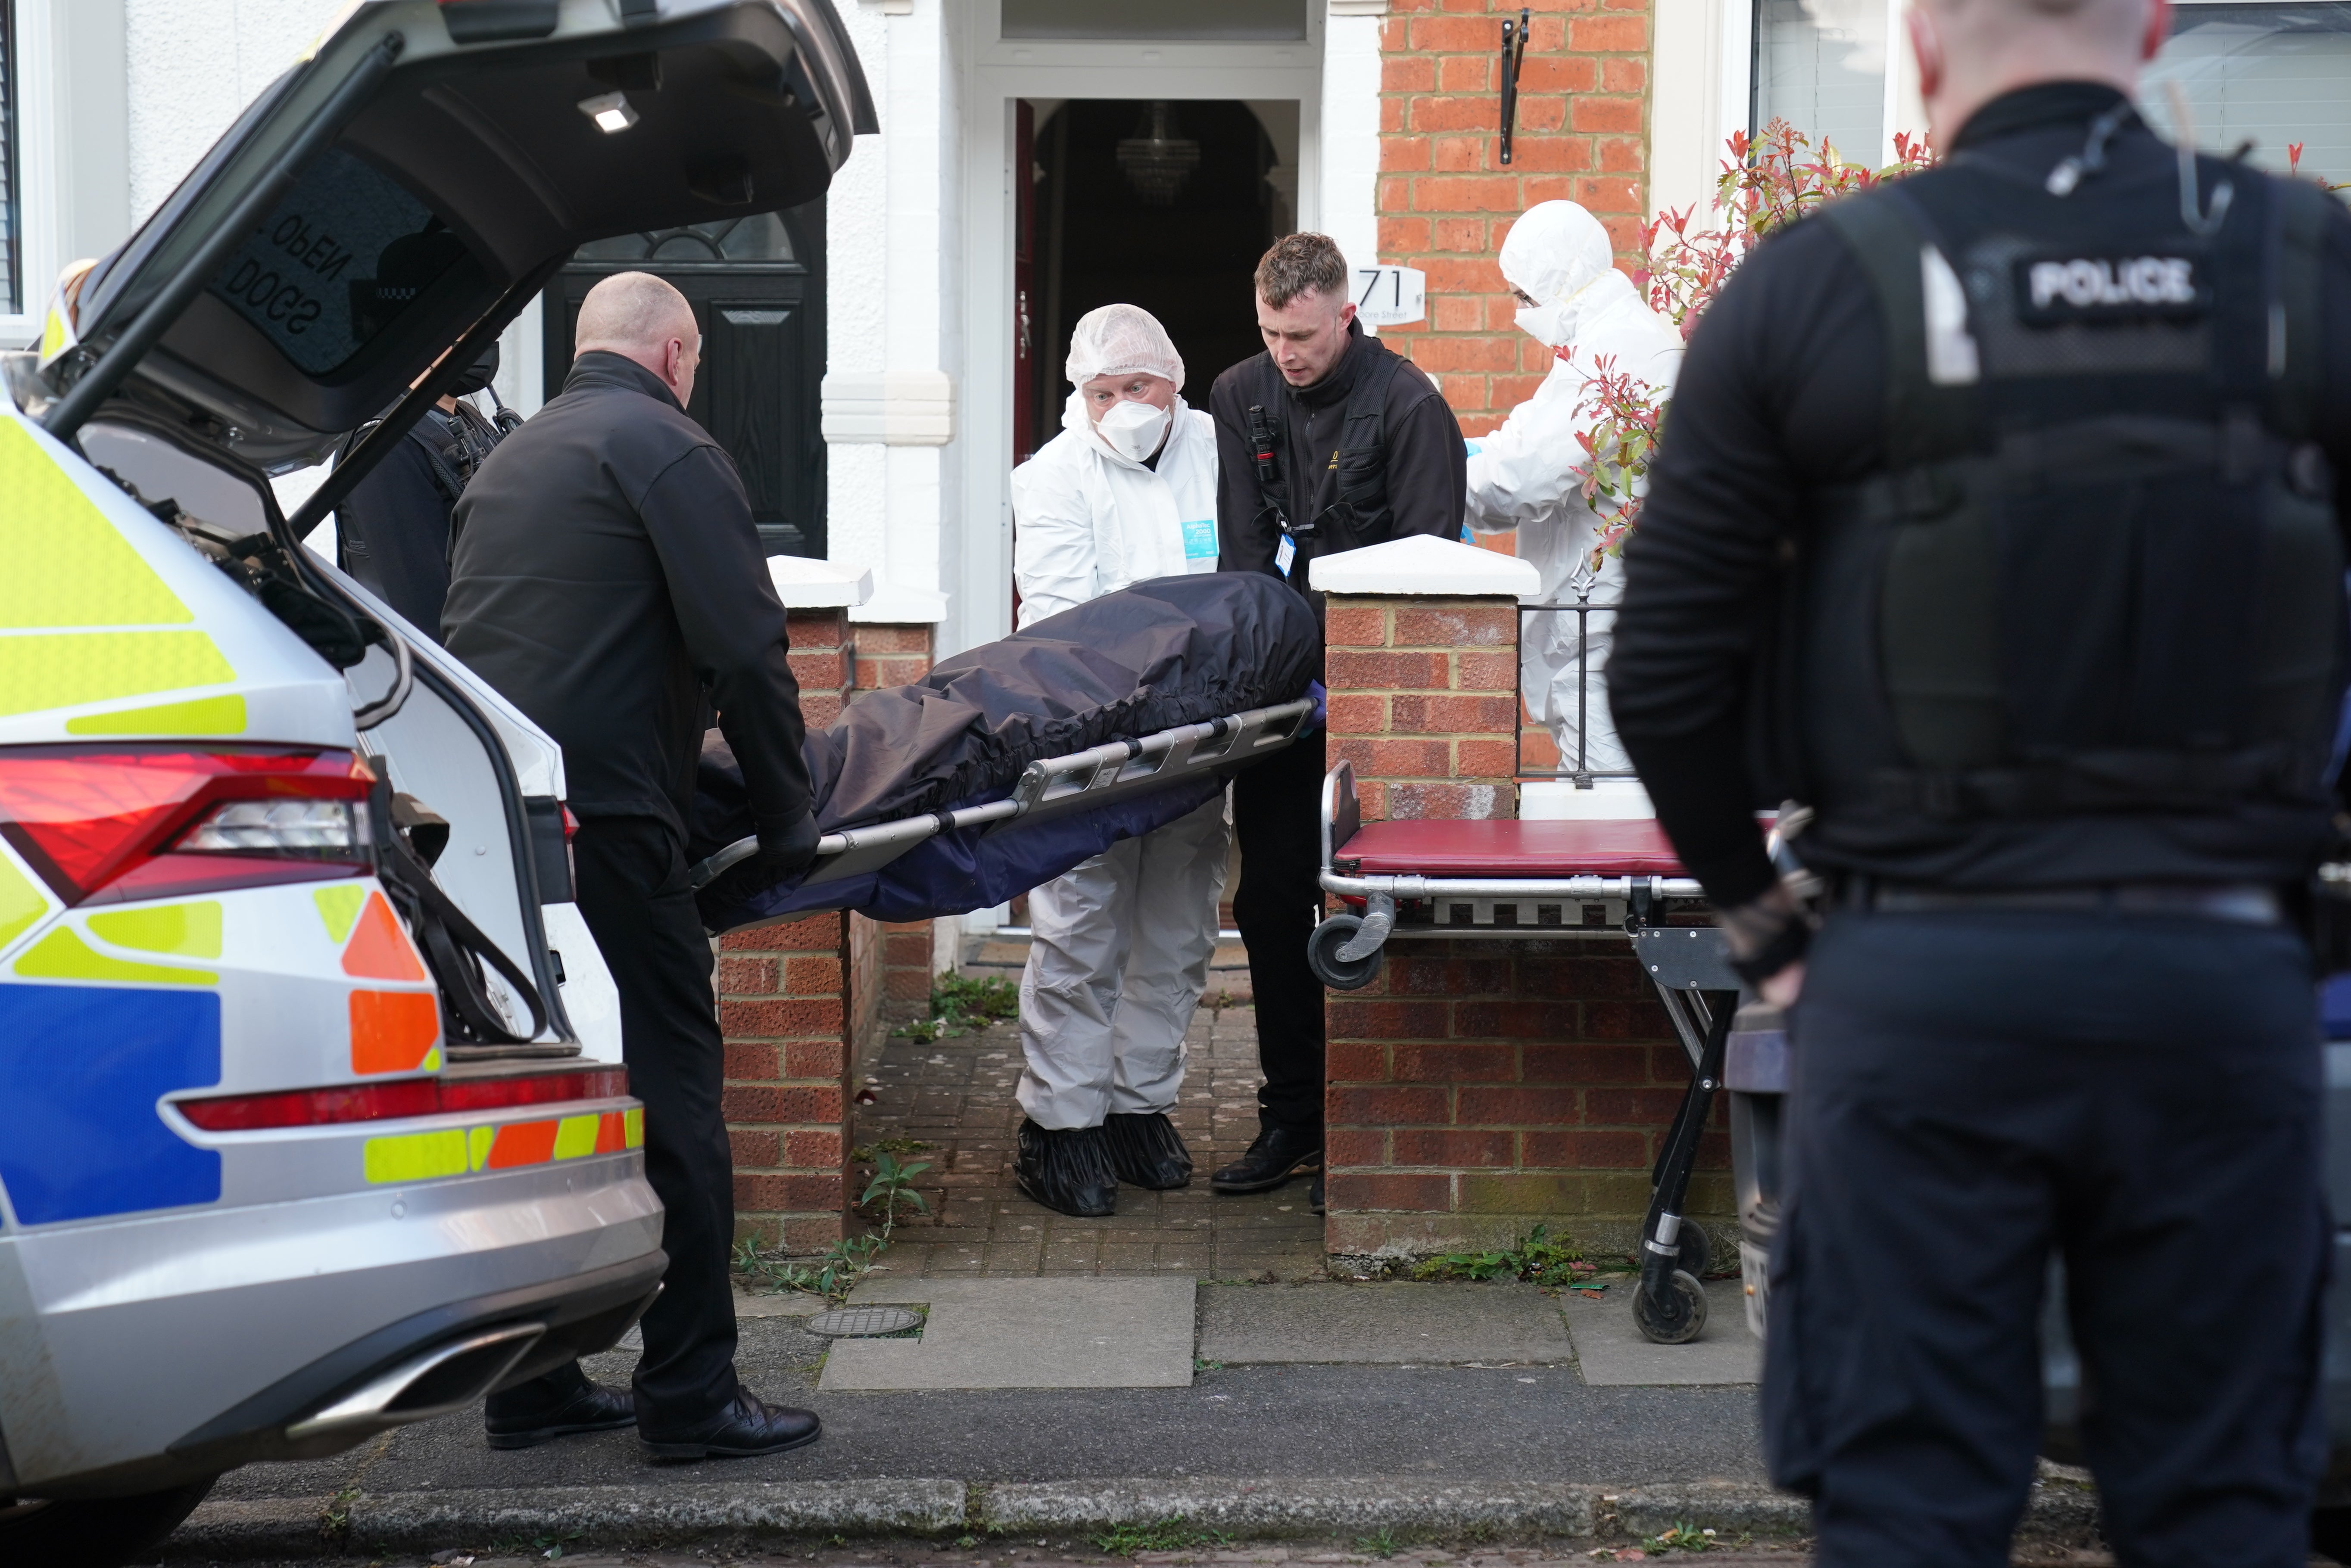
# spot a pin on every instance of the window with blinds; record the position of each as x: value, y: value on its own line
x: 12, y: 246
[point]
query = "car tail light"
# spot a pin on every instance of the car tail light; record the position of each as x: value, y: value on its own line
x: 403, y: 1098
x: 103, y: 823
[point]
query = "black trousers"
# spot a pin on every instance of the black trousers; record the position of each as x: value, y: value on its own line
x: 1276, y: 808
x: 632, y: 891
x: 1975, y: 1091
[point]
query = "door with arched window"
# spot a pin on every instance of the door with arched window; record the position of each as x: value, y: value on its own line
x: 756, y: 285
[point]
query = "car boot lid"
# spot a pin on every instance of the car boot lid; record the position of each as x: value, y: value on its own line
x: 417, y: 176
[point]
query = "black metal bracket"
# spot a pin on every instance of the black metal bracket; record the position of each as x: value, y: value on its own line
x: 1514, y: 55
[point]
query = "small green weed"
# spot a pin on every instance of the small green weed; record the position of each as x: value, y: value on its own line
x: 1167, y: 1535
x: 334, y: 1518
x: 1200, y: 1366
x: 1381, y: 1543
x: 834, y: 1272
x: 1685, y: 1537
x: 1537, y: 1258
x: 960, y: 1003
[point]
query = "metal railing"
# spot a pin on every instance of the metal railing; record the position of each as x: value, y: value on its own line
x: 1578, y: 769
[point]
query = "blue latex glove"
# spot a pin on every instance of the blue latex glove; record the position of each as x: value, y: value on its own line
x: 1321, y: 714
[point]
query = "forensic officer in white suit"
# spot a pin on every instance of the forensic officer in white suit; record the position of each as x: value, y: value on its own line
x: 1121, y: 945
x: 1528, y: 474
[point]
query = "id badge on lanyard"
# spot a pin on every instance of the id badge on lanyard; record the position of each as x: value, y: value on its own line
x: 1284, y: 553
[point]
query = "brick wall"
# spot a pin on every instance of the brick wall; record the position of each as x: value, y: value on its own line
x: 1423, y: 703
x: 1445, y: 198
x: 1480, y: 1086
x: 892, y: 962
x: 783, y: 1008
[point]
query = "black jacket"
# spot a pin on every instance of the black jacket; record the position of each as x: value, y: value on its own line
x: 1781, y: 396
x: 607, y: 575
x: 1427, y: 462
x: 392, y: 532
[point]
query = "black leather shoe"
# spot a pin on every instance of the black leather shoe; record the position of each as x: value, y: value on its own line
x: 1314, y: 1194
x: 562, y: 1404
x: 1278, y: 1154
x: 1067, y: 1170
x: 1146, y: 1151
x: 744, y: 1429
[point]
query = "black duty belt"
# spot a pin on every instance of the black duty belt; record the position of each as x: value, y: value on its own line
x: 2243, y: 903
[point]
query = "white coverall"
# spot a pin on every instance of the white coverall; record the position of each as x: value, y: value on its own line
x: 1528, y: 474
x: 1119, y: 946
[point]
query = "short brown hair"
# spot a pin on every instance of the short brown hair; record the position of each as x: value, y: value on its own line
x: 1301, y: 264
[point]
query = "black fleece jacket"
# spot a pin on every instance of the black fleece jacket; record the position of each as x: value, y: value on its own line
x: 607, y: 575
x: 1427, y: 462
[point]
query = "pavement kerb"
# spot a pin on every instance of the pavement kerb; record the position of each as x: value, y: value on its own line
x: 716, y: 1512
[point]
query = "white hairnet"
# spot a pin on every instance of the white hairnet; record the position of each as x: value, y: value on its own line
x: 1119, y: 340
x: 1554, y: 249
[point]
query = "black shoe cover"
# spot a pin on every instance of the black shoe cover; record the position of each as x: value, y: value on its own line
x: 1068, y: 1170
x: 1278, y: 1154
x: 1147, y: 1151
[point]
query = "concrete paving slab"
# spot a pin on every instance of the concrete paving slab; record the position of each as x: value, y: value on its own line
x: 1612, y: 1353
x: 1026, y: 1332
x: 1395, y: 1325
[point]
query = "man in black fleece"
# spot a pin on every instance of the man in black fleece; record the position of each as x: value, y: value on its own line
x: 606, y: 577
x: 2007, y: 489
x: 1363, y: 450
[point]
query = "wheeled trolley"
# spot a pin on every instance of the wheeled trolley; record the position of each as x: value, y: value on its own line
x: 1408, y: 880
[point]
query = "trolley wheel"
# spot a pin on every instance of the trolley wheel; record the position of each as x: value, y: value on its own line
x: 1675, y: 1319
x: 1322, y: 955
x: 1697, y: 1249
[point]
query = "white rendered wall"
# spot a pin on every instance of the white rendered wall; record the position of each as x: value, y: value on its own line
x: 192, y: 66
x: 1351, y: 135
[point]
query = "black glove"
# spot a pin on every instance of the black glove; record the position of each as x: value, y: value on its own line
x: 788, y: 850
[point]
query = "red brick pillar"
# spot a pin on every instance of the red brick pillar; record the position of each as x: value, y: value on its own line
x: 1476, y: 1087
x: 892, y: 963
x: 783, y: 1006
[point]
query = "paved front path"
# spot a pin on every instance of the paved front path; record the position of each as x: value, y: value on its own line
x: 956, y: 1097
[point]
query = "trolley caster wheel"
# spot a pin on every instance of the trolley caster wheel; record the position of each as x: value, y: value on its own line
x: 1675, y: 1319
x: 1322, y: 955
x: 1696, y: 1258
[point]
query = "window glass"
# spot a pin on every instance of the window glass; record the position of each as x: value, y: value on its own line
x: 2270, y: 74
x: 346, y: 252
x: 1174, y: 19
x: 1820, y: 64
x: 760, y: 238
x: 12, y: 251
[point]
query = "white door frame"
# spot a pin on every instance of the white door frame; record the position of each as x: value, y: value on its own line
x: 977, y: 570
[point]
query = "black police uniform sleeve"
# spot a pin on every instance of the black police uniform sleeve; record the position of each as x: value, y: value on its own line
x: 393, y: 528
x: 735, y: 630
x: 1778, y: 392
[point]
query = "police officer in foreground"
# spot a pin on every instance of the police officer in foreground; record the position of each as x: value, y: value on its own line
x: 392, y: 532
x: 2012, y: 486
x: 607, y: 575
x: 1326, y: 442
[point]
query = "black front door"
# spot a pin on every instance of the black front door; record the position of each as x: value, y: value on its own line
x: 756, y: 285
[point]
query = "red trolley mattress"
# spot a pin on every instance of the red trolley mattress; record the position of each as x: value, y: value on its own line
x: 1631, y: 847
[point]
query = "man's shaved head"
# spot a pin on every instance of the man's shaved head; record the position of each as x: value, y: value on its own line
x: 638, y: 317
x: 1972, y: 51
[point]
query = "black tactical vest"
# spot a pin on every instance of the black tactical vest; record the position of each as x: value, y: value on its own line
x: 2093, y: 610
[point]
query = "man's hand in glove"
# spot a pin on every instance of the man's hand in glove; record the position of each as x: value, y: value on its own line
x: 788, y: 851
x: 1768, y: 939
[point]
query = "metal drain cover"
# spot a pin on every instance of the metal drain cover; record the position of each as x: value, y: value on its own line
x: 862, y: 1321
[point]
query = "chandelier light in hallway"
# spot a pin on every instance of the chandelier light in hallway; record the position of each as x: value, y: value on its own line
x: 1158, y: 163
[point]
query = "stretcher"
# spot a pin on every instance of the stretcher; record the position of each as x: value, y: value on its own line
x: 1090, y: 781
x: 1414, y: 880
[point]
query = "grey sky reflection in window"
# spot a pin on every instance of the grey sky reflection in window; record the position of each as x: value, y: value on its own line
x: 761, y: 237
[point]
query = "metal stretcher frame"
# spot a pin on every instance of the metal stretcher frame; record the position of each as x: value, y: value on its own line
x: 1688, y: 965
x: 1051, y: 787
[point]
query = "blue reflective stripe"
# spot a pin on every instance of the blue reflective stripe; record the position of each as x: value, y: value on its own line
x: 81, y: 1068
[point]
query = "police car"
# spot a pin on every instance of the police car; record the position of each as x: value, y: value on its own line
x: 298, y: 1139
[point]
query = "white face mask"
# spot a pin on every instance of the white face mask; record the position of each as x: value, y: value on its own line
x: 1552, y: 325
x: 1134, y: 429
